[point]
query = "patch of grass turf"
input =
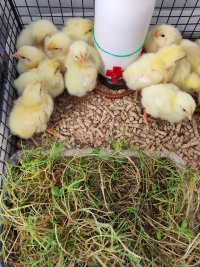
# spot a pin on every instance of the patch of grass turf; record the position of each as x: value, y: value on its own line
x: 99, y: 210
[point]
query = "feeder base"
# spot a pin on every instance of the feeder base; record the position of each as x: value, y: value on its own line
x: 110, y: 85
x: 113, y: 86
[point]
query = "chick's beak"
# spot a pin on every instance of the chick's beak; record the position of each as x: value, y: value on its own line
x: 156, y: 34
x: 82, y: 59
x: 189, y: 115
x: 16, y: 55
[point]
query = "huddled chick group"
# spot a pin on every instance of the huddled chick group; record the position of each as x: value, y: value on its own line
x: 49, y: 61
x: 166, y: 73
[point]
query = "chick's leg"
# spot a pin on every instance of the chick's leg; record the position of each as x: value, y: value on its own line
x: 146, y: 118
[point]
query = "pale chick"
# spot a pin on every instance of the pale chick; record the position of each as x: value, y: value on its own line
x: 51, y: 77
x: 192, y: 50
x: 48, y: 72
x: 79, y: 29
x: 153, y: 68
x: 31, y: 112
x: 198, y: 42
x: 57, y: 47
x: 24, y: 79
x: 35, y: 33
x: 81, y: 75
x: 29, y: 57
x: 168, y: 102
x: 184, y: 78
x: 161, y: 36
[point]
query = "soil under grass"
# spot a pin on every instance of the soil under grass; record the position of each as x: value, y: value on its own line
x: 99, y: 210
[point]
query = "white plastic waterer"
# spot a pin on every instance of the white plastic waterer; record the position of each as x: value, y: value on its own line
x: 120, y: 31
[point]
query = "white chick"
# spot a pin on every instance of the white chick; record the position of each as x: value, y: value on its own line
x: 81, y: 75
x: 29, y: 57
x: 168, y: 102
x: 184, y: 78
x: 57, y: 46
x: 153, y: 68
x: 35, y: 33
x: 31, y: 112
x: 192, y: 51
x: 51, y: 77
x: 161, y: 36
x: 79, y: 29
x: 24, y: 79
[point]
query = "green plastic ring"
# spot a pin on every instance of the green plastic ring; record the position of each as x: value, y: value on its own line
x: 115, y: 55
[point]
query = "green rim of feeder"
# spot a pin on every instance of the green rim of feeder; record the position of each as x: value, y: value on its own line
x: 116, y: 55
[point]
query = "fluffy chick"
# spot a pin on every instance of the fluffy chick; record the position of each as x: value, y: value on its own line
x: 81, y: 75
x: 57, y: 46
x: 35, y: 33
x: 29, y: 57
x: 79, y: 29
x: 24, y: 79
x: 153, y: 68
x: 31, y: 112
x: 161, y: 36
x: 168, y: 102
x: 198, y: 42
x: 25, y: 38
x: 184, y: 78
x: 51, y: 77
x: 192, y: 50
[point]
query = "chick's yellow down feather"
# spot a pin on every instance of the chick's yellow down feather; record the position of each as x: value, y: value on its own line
x: 25, y: 38
x: 168, y: 102
x: 162, y: 36
x: 81, y: 75
x: 184, y: 78
x: 192, y: 50
x: 24, y: 79
x: 153, y: 68
x: 29, y: 57
x: 51, y: 77
x: 79, y: 29
x: 57, y: 46
x: 35, y: 33
x: 31, y: 112
x: 48, y: 72
x: 198, y: 42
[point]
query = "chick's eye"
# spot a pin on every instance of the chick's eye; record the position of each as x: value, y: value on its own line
x: 184, y: 110
x: 162, y: 35
x: 23, y: 57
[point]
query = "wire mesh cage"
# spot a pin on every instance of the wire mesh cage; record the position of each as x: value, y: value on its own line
x: 14, y: 15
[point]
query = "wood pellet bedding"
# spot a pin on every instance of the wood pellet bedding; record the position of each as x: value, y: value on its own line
x: 95, y: 121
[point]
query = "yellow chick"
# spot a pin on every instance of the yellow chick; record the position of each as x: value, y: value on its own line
x: 51, y: 77
x: 192, y: 51
x: 25, y: 38
x: 95, y: 57
x: 153, y: 68
x: 57, y: 46
x: 29, y: 57
x: 35, y: 33
x: 198, y: 42
x: 79, y: 29
x: 168, y: 102
x: 24, y: 79
x: 31, y: 112
x: 184, y: 78
x: 161, y: 36
x: 81, y: 75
